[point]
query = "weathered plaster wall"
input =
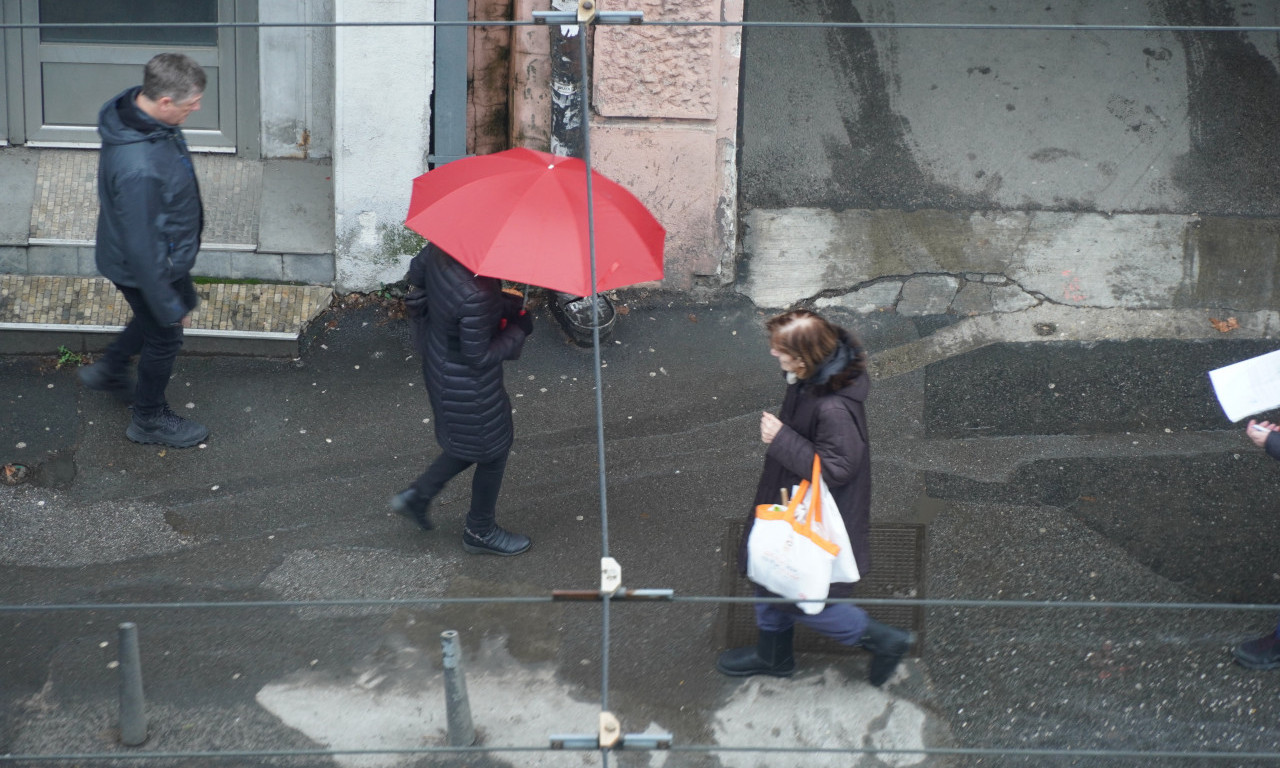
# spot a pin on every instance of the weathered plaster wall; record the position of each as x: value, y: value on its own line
x: 296, y: 79
x: 934, y: 262
x: 382, y: 130
x: 489, y: 55
x: 663, y: 122
x: 1117, y: 169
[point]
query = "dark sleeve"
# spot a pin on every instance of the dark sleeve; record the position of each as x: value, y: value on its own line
x: 417, y: 276
x: 1273, y: 445
x: 481, y: 343
x: 837, y: 443
x: 138, y: 201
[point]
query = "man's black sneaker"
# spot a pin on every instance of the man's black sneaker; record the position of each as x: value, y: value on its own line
x: 96, y: 377
x: 1259, y: 653
x: 412, y: 505
x: 495, y: 542
x: 166, y: 428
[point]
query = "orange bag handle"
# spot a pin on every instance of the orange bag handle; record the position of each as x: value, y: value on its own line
x: 788, y: 513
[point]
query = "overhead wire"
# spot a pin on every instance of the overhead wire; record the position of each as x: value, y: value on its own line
x: 871, y: 25
x: 401, y: 602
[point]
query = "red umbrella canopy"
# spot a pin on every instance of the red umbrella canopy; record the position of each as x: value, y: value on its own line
x: 521, y: 215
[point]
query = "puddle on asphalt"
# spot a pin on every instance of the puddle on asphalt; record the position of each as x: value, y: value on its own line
x: 58, y: 470
x: 178, y: 523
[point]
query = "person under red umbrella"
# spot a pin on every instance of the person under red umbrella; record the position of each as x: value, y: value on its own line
x: 465, y: 328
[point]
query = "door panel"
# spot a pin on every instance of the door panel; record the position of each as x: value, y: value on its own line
x: 79, y: 98
x: 116, y: 12
x: 10, y: 74
x: 70, y: 73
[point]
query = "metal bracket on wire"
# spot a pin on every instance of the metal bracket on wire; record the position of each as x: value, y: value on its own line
x: 611, y: 587
x: 588, y: 13
x: 610, y: 737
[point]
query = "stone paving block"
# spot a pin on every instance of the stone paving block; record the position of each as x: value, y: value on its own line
x: 231, y: 189
x: 262, y: 266
x: 72, y: 301
x: 13, y: 259
x: 927, y: 294
x: 316, y: 269
x: 297, y: 207
x: 1011, y: 298
x: 973, y: 298
x: 66, y: 197
x: 88, y: 263
x: 18, y: 166
x: 212, y: 264
x: 53, y: 260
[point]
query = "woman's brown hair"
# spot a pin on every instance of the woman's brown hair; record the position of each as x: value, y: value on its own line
x: 811, y: 339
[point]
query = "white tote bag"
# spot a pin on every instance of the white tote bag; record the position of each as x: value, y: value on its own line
x: 796, y: 551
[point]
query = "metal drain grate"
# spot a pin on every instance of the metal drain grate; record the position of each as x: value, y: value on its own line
x: 898, y: 571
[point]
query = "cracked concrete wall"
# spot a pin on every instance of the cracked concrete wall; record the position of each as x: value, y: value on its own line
x: 1010, y: 168
x: 933, y: 262
x: 382, y: 130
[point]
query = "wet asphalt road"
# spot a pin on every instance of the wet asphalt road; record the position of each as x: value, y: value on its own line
x: 1056, y: 472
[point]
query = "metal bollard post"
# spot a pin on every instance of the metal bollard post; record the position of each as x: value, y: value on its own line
x: 462, y: 732
x: 133, y: 716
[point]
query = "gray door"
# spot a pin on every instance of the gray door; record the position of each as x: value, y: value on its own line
x: 69, y: 73
x: 10, y: 61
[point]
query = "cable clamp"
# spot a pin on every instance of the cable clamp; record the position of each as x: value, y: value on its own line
x: 610, y: 576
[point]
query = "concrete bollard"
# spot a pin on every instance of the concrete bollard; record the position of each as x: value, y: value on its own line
x: 462, y: 732
x: 133, y: 716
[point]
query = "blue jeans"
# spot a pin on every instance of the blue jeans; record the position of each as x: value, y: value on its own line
x: 155, y: 344
x: 843, y: 622
x: 485, y: 485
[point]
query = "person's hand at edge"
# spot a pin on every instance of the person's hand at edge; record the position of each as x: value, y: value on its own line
x: 525, y: 321
x: 769, y: 426
x: 1258, y: 431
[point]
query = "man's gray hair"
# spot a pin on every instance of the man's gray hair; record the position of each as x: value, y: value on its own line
x: 174, y: 75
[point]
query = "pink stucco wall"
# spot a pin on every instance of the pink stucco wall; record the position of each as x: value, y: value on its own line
x: 663, y: 121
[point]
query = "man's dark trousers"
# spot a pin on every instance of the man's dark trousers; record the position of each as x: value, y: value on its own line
x: 155, y: 344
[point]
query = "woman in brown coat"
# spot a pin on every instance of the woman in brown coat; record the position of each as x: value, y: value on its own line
x: 823, y: 413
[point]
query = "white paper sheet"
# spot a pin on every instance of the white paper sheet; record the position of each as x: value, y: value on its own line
x: 1249, y: 386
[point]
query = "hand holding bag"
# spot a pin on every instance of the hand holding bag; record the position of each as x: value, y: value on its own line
x: 797, y: 550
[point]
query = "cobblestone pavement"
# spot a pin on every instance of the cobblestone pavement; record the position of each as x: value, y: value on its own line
x: 265, y: 307
x: 66, y: 202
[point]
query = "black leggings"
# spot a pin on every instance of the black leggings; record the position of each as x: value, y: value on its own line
x: 485, y: 485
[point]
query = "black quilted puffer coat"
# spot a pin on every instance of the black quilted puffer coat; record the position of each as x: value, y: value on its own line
x: 457, y: 320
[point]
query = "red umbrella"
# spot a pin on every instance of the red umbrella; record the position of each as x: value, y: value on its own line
x: 521, y: 215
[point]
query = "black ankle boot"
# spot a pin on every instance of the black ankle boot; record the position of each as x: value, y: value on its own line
x: 413, y: 505
x: 771, y: 656
x: 888, y: 645
x: 496, y: 542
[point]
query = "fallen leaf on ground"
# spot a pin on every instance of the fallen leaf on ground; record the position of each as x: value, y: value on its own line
x: 1224, y: 326
x: 14, y: 474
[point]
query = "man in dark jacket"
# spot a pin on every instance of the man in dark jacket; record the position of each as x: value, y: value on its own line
x: 465, y: 327
x: 149, y: 224
x: 1262, y: 652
